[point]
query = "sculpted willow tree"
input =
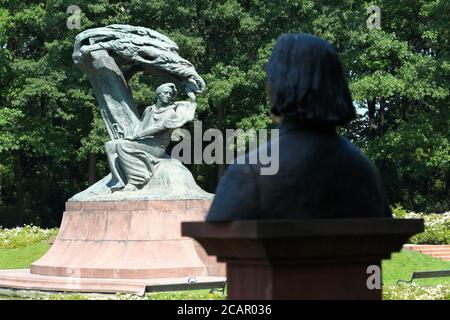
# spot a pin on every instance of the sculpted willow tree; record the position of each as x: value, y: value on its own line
x: 137, y: 146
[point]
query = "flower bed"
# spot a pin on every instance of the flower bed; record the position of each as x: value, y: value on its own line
x: 437, y: 226
x: 415, y: 292
x: 24, y: 236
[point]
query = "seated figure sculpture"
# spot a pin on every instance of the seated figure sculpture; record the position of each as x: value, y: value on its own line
x: 133, y: 159
x: 110, y: 57
x: 321, y: 174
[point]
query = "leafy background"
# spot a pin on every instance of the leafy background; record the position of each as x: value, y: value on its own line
x: 51, y: 135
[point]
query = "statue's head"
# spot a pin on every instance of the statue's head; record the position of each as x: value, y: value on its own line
x: 306, y: 81
x: 165, y: 93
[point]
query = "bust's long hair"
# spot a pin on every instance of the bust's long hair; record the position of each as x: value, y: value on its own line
x: 306, y: 81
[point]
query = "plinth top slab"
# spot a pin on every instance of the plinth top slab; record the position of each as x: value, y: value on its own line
x: 272, y: 229
x: 284, y: 240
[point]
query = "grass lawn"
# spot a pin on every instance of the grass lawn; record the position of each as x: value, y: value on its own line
x: 400, y: 266
x: 21, y: 258
x: 403, y: 264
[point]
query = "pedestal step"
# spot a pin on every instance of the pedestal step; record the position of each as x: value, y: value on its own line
x: 440, y: 251
x: 23, y: 279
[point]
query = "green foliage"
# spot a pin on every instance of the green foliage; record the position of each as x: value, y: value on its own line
x: 50, y: 122
x: 416, y: 292
x: 414, y: 159
x: 437, y: 229
x: 437, y: 226
x: 24, y: 236
x: 399, y: 212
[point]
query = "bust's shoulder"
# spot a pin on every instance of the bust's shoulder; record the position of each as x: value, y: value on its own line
x: 352, y: 157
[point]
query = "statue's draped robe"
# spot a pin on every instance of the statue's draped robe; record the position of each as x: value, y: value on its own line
x: 137, y: 159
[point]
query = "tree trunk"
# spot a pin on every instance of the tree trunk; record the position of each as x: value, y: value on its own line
x: 18, y: 174
x: 403, y: 108
x: 371, y: 106
x: 382, y: 111
x: 92, y: 168
x: 1, y: 191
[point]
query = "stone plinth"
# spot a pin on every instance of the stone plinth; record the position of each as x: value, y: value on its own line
x: 126, y: 240
x: 120, y: 246
x: 302, y: 259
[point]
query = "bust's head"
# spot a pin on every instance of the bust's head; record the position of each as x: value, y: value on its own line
x: 165, y: 94
x: 305, y: 81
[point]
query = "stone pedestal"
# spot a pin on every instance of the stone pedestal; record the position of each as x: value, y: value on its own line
x: 119, y: 246
x: 302, y: 259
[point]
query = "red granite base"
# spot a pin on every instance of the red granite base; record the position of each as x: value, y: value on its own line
x: 128, y: 240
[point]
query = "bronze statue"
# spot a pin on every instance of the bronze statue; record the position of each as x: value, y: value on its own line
x: 133, y: 158
x: 140, y: 167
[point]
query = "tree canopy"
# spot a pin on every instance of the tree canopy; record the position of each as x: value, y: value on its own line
x: 51, y: 135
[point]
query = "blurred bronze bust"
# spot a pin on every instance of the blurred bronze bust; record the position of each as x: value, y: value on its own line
x: 321, y: 174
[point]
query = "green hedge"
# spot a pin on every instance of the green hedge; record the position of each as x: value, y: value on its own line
x: 24, y: 236
x: 437, y: 226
